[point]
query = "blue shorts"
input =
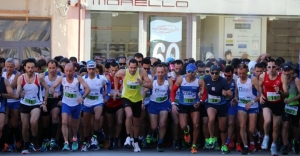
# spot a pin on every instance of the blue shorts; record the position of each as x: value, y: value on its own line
x: 2, y: 108
x: 74, y: 111
x: 249, y: 111
x: 155, y: 108
x: 90, y: 109
x: 232, y: 110
x: 13, y: 105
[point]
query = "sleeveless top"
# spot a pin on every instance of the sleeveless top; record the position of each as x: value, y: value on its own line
x: 51, y: 83
x: 71, y: 91
x: 3, y: 101
x: 4, y: 75
x: 293, y: 92
x: 111, y: 103
x: 245, y: 93
x: 160, y: 93
x: 96, y: 85
x: 148, y: 94
x: 33, y: 91
x: 131, y: 87
x: 269, y: 92
x: 189, y: 92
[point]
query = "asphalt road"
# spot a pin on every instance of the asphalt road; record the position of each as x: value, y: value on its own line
x: 145, y: 152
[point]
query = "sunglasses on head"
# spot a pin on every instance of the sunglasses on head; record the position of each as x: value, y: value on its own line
x: 272, y: 67
x: 214, y: 73
x: 242, y: 65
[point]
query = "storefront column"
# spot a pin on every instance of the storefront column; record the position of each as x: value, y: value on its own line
x: 194, y: 36
x: 87, y: 36
x: 142, y: 39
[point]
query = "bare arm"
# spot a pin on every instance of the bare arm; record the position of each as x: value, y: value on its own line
x: 254, y: 82
x: 170, y: 83
x: 285, y: 87
x: 15, y: 81
x: 261, y: 82
x: 19, y: 87
x: 58, y: 82
x: 9, y: 91
x: 146, y: 81
x: 297, y: 82
x: 43, y: 83
x: 87, y: 89
x: 121, y: 73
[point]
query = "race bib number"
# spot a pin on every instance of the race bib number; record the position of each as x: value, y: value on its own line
x: 244, y: 101
x: 50, y: 95
x: 70, y: 95
x: 132, y: 85
x: 160, y: 99
x: 189, y: 98
x: 92, y: 97
x: 293, y: 110
x: 30, y: 101
x: 214, y: 99
x: 273, y: 96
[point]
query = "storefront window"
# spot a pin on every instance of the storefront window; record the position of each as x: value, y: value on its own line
x: 114, y: 34
x: 283, y: 37
x: 167, y: 37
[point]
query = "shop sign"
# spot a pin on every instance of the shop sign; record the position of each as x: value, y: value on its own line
x: 143, y: 3
x: 165, y: 37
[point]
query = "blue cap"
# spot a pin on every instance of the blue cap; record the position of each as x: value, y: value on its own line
x: 170, y: 59
x: 191, y: 67
x: 90, y: 64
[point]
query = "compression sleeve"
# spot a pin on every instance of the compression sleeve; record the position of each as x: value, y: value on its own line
x: 204, y: 95
x: 173, y: 92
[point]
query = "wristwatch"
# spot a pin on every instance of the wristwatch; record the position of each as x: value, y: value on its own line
x: 173, y: 103
x: 83, y: 97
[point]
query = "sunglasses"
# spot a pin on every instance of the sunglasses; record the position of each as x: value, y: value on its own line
x: 214, y: 73
x: 190, y: 71
x: 200, y: 71
x: 122, y: 64
x: 227, y: 75
x: 147, y: 68
x: 207, y: 71
x: 272, y: 67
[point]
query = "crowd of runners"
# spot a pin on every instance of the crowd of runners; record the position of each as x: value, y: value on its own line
x: 141, y: 102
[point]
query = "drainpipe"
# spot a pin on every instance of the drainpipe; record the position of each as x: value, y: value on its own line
x: 79, y: 28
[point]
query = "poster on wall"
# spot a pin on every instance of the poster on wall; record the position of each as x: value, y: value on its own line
x: 165, y: 37
x: 242, y: 36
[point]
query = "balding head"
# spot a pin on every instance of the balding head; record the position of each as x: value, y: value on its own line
x: 69, y: 70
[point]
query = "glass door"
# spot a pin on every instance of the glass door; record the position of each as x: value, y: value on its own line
x: 9, y: 52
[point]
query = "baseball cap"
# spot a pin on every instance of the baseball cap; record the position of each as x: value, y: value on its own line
x: 90, y: 64
x: 191, y: 67
x: 170, y: 59
x: 215, y: 67
x: 287, y: 67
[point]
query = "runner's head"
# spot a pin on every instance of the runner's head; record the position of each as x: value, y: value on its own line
x: 122, y: 61
x: 272, y: 68
x: 228, y: 72
x: 52, y: 66
x: 69, y: 70
x: 146, y: 64
x: 10, y: 65
x: 139, y: 57
x: 243, y: 71
x: 259, y: 69
x: 178, y: 66
x: 114, y: 67
x: 91, y: 67
x: 215, y: 72
x: 191, y: 70
x: 288, y: 70
x: 29, y: 65
x: 133, y: 66
x: 160, y: 71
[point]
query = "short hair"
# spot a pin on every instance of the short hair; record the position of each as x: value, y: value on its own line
x: 138, y: 55
x: 2, y: 60
x: 134, y: 61
x: 10, y: 60
x: 66, y: 60
x: 121, y: 57
x: 73, y: 59
x: 61, y: 68
x: 107, y: 65
x: 52, y: 61
x: 83, y: 62
x: 201, y: 65
x: 114, y: 64
x: 29, y: 60
x: 178, y: 62
x: 146, y: 61
x: 58, y: 58
x: 271, y: 60
x: 228, y: 52
x: 229, y: 69
x: 42, y: 62
x: 259, y: 65
x: 209, y: 64
x: 100, y: 68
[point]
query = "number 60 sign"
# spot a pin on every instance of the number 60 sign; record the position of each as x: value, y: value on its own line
x: 162, y: 54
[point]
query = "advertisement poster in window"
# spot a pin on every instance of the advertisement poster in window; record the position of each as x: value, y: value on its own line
x: 242, y: 36
x: 165, y: 37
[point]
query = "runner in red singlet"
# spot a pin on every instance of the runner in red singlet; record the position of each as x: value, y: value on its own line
x: 274, y: 89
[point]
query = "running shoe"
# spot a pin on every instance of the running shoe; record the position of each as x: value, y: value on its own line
x: 53, y: 145
x: 111, y: 145
x: 285, y: 150
x: 238, y: 147
x: 66, y: 147
x: 148, y: 141
x: 187, y: 136
x: 25, y: 151
x: 211, y: 143
x: 106, y: 144
x: 206, y: 144
x: 32, y: 147
x: 136, y: 147
x: 295, y: 147
x: 217, y: 146
x: 194, y: 149
x: 44, y: 146
x: 160, y: 147
x: 74, y: 144
x: 265, y: 142
x: 18, y: 146
x: 245, y: 151
x: 84, y: 147
x: 224, y: 149
x: 231, y: 144
x: 175, y: 145
x: 252, y: 148
x: 127, y: 143
x: 274, y: 151
x: 7, y: 148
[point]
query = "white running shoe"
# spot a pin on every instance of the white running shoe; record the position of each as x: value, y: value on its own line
x: 25, y: 152
x: 274, y: 150
x: 136, y: 147
x: 127, y: 142
x: 265, y: 143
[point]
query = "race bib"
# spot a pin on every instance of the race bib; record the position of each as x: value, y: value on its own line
x: 50, y: 95
x: 244, y: 101
x: 273, y: 96
x: 92, y: 97
x: 214, y: 99
x: 70, y: 95
x: 291, y: 109
x: 189, y: 98
x: 30, y: 101
x: 132, y: 85
x: 160, y: 99
x: 148, y: 95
